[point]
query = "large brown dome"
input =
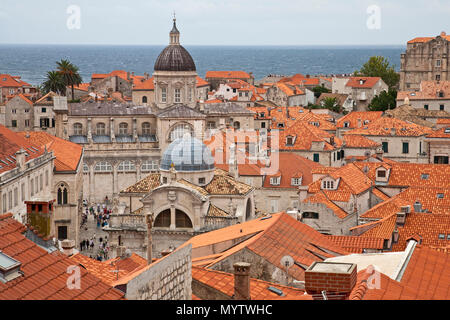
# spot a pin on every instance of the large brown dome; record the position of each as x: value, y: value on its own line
x: 174, y: 58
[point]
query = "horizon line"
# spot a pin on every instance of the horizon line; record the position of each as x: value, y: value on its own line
x: 208, y: 45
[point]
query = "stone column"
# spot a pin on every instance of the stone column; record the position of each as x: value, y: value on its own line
x: 172, y: 218
x: 91, y: 182
x: 115, y: 178
x: 89, y: 130
x: 149, y: 220
x: 111, y: 129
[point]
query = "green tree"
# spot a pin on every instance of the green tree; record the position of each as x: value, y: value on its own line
x: 319, y: 90
x: 69, y: 73
x: 53, y: 83
x: 331, y: 104
x: 384, y: 101
x: 378, y: 66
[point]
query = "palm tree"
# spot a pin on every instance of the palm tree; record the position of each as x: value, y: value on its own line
x: 69, y: 73
x: 54, y: 83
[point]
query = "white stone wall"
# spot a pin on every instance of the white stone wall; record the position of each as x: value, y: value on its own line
x: 169, y: 278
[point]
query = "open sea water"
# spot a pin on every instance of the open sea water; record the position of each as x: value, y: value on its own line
x: 32, y: 62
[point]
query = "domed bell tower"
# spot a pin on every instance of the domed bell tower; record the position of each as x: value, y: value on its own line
x: 175, y: 74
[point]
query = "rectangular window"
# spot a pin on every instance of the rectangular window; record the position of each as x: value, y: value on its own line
x: 263, y: 125
x: 14, y: 123
x: 16, y: 197
x: 46, y: 178
x: 36, y: 185
x: 41, y: 182
x: 438, y: 77
x: 27, y: 123
x: 438, y: 63
x: 273, y: 206
x: 338, y: 155
x: 22, y: 192
x: 441, y: 107
x: 10, y: 200
x: 4, y: 207
x: 316, y: 157
x: 425, y: 107
x: 296, y: 181
x: 310, y: 215
x: 405, y: 147
x: 44, y: 110
x: 177, y: 95
x: 385, y: 147
x: 163, y: 94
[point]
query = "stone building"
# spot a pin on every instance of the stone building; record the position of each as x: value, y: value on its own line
x: 11, y: 86
x: 425, y: 59
x: 186, y: 197
x: 25, y: 173
x: 19, y: 113
x: 431, y: 95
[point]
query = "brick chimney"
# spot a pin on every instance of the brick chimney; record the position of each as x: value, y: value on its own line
x: 330, y: 280
x: 68, y: 246
x: 241, y: 281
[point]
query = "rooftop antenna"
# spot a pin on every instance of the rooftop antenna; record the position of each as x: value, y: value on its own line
x: 287, y: 262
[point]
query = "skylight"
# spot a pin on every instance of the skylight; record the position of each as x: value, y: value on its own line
x: 425, y: 176
x: 441, y: 236
x: 440, y: 196
x: 276, y: 291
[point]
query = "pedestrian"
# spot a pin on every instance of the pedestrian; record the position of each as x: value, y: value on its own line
x: 81, y: 245
x: 100, y: 239
x: 92, y: 245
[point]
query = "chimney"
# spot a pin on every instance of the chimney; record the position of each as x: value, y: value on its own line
x: 417, y: 206
x: 149, y: 221
x: 120, y: 251
x: 68, y: 246
x: 393, y: 131
x: 401, y: 218
x: 20, y: 159
x: 241, y: 281
x: 330, y: 280
x: 395, y: 235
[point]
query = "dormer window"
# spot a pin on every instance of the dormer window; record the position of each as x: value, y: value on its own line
x: 327, y: 184
x: 290, y: 141
x: 381, y: 174
x: 280, y: 125
x: 296, y: 181
x: 275, y: 181
x: 346, y: 124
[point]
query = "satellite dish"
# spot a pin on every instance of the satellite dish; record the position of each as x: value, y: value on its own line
x: 287, y: 261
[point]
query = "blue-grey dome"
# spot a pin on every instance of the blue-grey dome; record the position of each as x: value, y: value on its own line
x: 187, y: 154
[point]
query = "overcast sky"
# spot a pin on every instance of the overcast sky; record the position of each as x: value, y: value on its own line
x: 222, y: 22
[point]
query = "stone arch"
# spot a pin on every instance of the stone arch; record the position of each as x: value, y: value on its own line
x: 179, y: 129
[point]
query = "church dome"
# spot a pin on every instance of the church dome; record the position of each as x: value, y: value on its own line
x: 174, y: 57
x: 187, y: 154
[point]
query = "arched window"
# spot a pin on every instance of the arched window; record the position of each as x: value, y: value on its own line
x: 101, y: 129
x: 126, y: 166
x: 149, y: 165
x: 77, y: 129
x: 179, y: 130
x: 236, y: 125
x: 163, y: 219
x: 62, y: 194
x: 123, y: 128
x: 144, y: 99
x: 103, y: 166
x: 182, y: 219
x: 146, y: 129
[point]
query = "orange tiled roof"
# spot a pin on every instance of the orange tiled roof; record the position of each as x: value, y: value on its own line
x: 321, y: 197
x: 224, y: 282
x: 82, y: 86
x: 227, y: 74
x: 44, y: 275
x: 106, y: 270
x: 356, y: 141
x: 271, y: 239
x: 9, y: 81
x: 391, y: 127
x: 443, y: 133
x: 119, y: 73
x: 144, y: 84
x: 145, y: 185
x: 355, y: 117
x: 10, y: 143
x: 426, y: 39
x: 68, y: 154
x: 368, y: 82
x: 443, y: 121
x: 355, y: 244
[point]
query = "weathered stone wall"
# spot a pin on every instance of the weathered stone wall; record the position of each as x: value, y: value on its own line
x: 167, y: 279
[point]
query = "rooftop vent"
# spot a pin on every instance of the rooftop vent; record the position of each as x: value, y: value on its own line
x: 425, y: 176
x: 9, y: 268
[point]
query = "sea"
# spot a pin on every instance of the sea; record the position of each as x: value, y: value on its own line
x: 32, y: 62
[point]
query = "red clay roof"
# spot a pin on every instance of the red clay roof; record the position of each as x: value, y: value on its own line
x: 227, y: 74
x: 144, y: 84
x: 9, y: 81
x: 356, y: 141
x: 391, y: 127
x: 10, y: 143
x: 68, y: 154
x: 355, y: 117
x: 355, y: 244
x: 367, y: 82
x: 224, y: 282
x: 45, y: 275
